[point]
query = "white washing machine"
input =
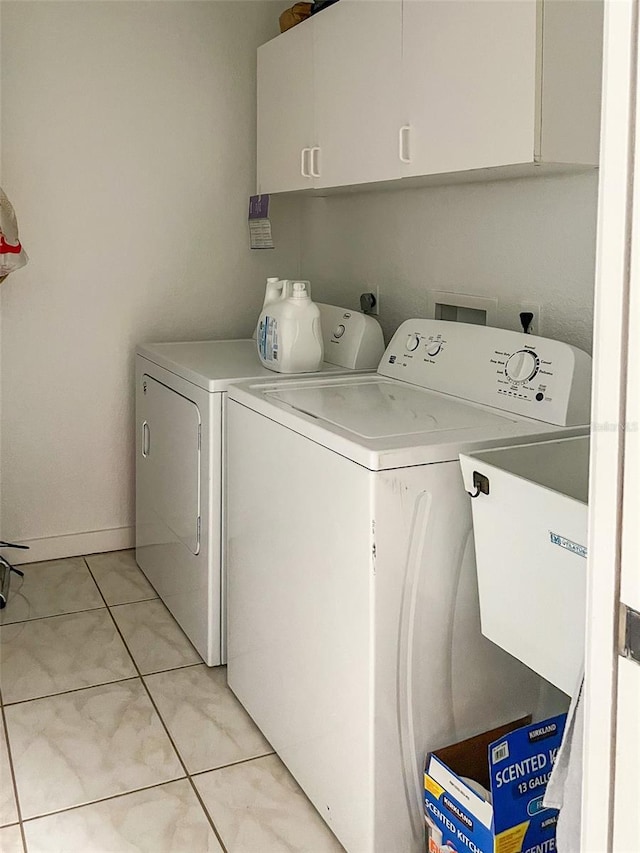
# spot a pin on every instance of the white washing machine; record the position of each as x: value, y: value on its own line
x: 354, y: 635
x: 180, y: 461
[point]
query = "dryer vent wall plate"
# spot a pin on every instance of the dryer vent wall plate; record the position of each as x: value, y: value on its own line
x: 462, y: 308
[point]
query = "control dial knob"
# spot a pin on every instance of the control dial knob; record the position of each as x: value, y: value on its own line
x: 339, y: 331
x: 434, y: 347
x: 522, y: 366
x: 413, y: 342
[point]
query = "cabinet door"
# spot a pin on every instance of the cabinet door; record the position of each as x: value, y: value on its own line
x: 168, y: 464
x: 285, y: 110
x: 470, y: 81
x: 357, y: 57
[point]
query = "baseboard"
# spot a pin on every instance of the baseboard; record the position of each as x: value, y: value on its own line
x: 73, y: 545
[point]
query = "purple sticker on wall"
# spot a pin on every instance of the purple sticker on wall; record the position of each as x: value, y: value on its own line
x: 260, y: 236
x: 258, y: 207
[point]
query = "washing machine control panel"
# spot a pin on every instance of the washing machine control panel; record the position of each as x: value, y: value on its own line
x: 523, y: 374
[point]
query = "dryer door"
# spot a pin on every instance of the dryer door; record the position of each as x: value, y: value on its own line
x: 168, y: 469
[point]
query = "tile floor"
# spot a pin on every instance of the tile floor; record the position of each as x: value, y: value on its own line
x: 115, y: 737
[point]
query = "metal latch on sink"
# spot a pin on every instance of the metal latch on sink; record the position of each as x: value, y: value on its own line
x: 629, y: 633
x: 480, y: 484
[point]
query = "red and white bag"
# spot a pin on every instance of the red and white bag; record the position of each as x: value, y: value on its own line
x: 12, y: 255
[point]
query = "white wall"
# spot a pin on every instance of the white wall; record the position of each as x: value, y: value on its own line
x: 520, y: 240
x: 128, y: 149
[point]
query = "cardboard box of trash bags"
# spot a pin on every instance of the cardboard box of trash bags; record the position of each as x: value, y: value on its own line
x: 513, y: 763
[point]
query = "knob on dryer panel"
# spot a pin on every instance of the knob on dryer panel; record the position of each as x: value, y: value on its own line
x: 351, y: 339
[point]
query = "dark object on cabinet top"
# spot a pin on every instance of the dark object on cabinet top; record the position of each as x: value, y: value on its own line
x: 319, y: 5
x: 296, y: 14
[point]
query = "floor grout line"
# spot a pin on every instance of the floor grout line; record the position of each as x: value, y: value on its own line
x: 173, y: 668
x: 52, y: 616
x: 103, y: 799
x: 164, y: 725
x: 104, y: 606
x: 72, y: 690
x: 234, y: 763
x: 137, y: 601
x: 138, y: 676
x: 13, y: 778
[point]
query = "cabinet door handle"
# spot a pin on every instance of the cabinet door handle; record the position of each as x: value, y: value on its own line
x: 403, y: 143
x: 304, y: 171
x: 146, y: 439
x: 315, y: 161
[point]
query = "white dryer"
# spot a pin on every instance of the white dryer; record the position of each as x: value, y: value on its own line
x: 354, y: 635
x: 180, y: 461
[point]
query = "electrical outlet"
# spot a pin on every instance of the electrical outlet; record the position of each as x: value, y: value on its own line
x: 374, y: 291
x: 375, y: 311
x: 536, y: 324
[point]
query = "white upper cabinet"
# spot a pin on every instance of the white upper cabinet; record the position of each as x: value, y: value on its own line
x: 285, y: 124
x: 357, y: 55
x: 570, y: 81
x: 501, y: 83
x: 372, y: 91
x: 469, y: 83
x: 328, y: 110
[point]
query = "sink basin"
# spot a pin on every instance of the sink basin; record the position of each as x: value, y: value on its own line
x: 530, y: 535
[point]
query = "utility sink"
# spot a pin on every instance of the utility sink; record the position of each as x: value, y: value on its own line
x: 530, y: 529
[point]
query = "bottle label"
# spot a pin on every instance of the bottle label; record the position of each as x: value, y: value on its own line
x: 268, y: 339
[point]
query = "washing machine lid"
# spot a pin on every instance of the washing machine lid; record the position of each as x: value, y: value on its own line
x: 383, y: 408
x: 383, y: 423
x: 213, y: 365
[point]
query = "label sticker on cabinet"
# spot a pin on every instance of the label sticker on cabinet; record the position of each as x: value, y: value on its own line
x: 567, y: 544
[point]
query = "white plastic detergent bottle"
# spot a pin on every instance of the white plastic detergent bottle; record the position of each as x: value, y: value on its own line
x: 274, y: 290
x: 289, y: 332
